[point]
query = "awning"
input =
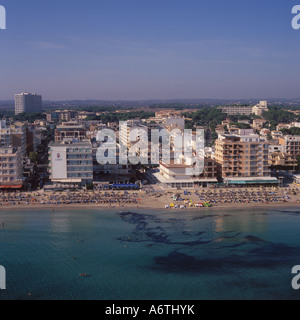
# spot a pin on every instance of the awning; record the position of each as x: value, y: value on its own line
x: 244, y: 182
x: 8, y: 186
x: 67, y: 181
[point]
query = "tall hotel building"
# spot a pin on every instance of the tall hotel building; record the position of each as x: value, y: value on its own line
x: 243, y: 159
x: 71, y: 162
x: 27, y: 102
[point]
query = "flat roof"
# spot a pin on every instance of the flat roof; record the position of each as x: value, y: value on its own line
x: 84, y: 143
x: 162, y: 179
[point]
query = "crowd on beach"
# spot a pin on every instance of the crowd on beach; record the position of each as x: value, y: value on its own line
x: 237, y: 196
x: 69, y: 198
x: 150, y: 198
x: 243, y: 196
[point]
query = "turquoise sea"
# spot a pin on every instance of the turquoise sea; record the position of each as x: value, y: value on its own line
x: 150, y: 255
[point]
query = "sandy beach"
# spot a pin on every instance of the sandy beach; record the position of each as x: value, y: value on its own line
x: 234, y: 198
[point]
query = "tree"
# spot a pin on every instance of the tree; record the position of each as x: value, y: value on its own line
x: 269, y: 136
x: 294, y: 131
x: 298, y: 159
x: 33, y: 156
x: 241, y: 125
x: 279, y: 115
x: 189, y: 124
x: 30, y: 117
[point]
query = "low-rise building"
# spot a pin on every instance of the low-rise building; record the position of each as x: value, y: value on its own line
x: 260, y: 108
x: 276, y: 134
x: 175, y: 175
x: 296, y: 178
x: 280, y: 159
x: 258, y: 123
x: 70, y: 130
x: 283, y: 126
x: 61, y: 115
x: 236, y: 110
x: 291, y: 144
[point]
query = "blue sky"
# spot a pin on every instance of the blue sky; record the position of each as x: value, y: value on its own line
x: 142, y: 49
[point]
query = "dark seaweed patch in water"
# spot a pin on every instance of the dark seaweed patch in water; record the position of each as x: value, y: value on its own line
x: 205, y: 217
x: 144, y: 233
x: 227, y: 235
x: 291, y: 212
x: 254, y: 239
x: 189, y: 234
x: 263, y: 255
x: 232, y: 246
x: 176, y: 262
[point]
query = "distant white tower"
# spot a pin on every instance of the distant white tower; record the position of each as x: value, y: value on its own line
x: 27, y: 102
x: 260, y: 108
x: 263, y: 104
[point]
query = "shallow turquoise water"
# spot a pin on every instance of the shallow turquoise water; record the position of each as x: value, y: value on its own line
x: 150, y: 254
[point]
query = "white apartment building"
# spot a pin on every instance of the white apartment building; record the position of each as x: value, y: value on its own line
x: 130, y: 134
x: 260, y: 108
x: 237, y: 109
x: 27, y: 102
x: 71, y: 162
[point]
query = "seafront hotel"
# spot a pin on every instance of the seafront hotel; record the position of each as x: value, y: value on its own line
x: 243, y: 159
x: 71, y: 162
x: 11, y: 169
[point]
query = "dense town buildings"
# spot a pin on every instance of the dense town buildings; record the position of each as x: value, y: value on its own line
x: 232, y: 155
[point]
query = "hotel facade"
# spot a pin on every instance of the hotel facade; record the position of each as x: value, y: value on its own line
x: 71, y: 162
x: 243, y: 159
x: 11, y: 169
